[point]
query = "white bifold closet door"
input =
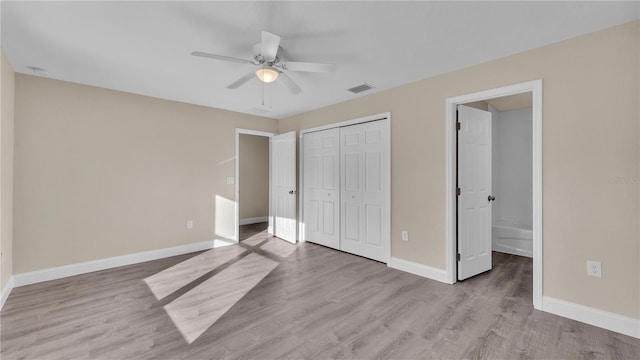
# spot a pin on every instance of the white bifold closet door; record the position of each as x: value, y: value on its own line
x: 322, y: 187
x: 364, y: 179
x: 346, y: 188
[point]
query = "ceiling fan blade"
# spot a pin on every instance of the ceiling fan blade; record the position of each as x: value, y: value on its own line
x: 289, y: 84
x: 236, y: 84
x: 270, y: 44
x: 309, y: 67
x: 221, y: 57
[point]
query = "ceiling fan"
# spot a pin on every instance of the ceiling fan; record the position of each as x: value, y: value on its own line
x: 268, y: 66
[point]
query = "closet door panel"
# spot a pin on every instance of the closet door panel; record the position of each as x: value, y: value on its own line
x: 364, y: 173
x: 321, y: 187
x: 312, y: 216
x: 328, y: 215
x: 373, y: 225
x: 351, y: 185
x: 352, y: 171
x: 329, y: 173
x: 374, y: 197
x: 351, y: 223
x: 373, y: 172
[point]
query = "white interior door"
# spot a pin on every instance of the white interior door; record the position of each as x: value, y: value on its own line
x: 474, y: 183
x: 321, y: 195
x: 283, y: 159
x: 364, y: 177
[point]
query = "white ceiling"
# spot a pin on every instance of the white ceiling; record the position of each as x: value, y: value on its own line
x: 144, y: 47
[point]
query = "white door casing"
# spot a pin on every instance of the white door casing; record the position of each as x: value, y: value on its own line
x: 474, y: 182
x: 364, y: 184
x: 321, y: 187
x: 283, y: 158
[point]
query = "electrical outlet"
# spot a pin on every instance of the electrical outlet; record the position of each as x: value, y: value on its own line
x: 405, y: 235
x: 594, y: 268
x: 189, y: 224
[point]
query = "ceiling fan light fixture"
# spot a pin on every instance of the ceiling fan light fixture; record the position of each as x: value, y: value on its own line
x: 267, y: 74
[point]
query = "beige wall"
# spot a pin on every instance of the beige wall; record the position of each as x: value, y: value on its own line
x: 101, y: 173
x: 7, y: 88
x: 254, y: 176
x: 590, y: 141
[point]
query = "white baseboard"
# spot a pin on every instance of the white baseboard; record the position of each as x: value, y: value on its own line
x: 254, y: 220
x: 509, y: 250
x: 419, y: 269
x: 6, y: 291
x: 102, y: 264
x: 600, y: 318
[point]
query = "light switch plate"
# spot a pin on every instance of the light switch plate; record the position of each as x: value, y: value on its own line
x: 230, y: 180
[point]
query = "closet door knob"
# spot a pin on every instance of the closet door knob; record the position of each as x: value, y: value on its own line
x: 292, y: 192
x: 491, y: 198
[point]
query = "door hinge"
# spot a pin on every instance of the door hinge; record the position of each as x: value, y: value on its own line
x: 458, y: 257
x: 458, y: 126
x: 458, y: 191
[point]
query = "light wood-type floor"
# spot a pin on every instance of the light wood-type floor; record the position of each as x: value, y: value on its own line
x: 268, y: 299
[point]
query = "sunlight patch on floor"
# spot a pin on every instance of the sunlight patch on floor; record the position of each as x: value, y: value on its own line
x: 176, y: 277
x: 254, y: 240
x: 278, y: 247
x: 201, y: 289
x: 196, y: 310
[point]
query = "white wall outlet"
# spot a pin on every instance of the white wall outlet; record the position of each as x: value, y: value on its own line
x: 231, y: 180
x: 594, y: 268
x: 405, y: 235
x: 189, y: 224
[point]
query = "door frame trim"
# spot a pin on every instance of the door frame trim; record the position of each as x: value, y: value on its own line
x: 236, y: 201
x: 534, y: 87
x: 360, y: 120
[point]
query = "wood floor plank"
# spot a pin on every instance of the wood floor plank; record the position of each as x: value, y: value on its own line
x: 310, y: 303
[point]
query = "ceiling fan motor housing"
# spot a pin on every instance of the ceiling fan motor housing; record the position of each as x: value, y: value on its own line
x: 257, y: 55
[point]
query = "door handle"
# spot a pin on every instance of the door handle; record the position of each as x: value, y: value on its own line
x: 491, y: 198
x: 292, y: 192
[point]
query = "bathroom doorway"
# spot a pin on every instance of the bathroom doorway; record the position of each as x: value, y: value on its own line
x: 502, y: 127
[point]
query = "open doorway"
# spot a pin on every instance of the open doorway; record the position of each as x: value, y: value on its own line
x: 252, y: 157
x: 494, y: 155
x: 512, y: 174
x: 252, y: 183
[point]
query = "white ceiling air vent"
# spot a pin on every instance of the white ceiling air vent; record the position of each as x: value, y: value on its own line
x: 360, y: 88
